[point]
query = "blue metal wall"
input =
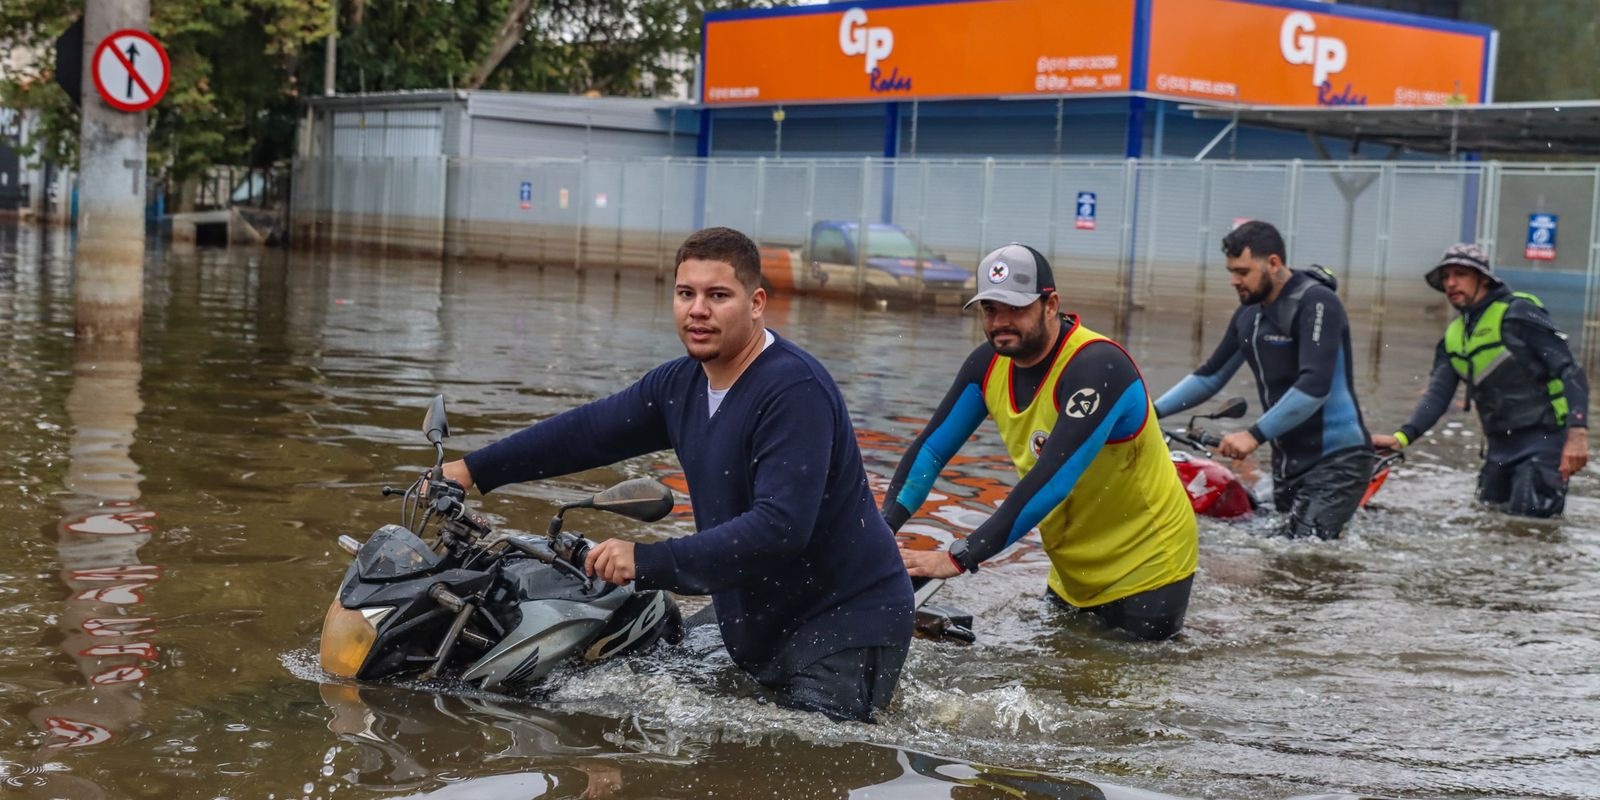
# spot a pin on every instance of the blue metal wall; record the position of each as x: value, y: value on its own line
x: 1089, y: 128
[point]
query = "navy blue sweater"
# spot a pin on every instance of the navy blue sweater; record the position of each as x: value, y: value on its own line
x: 791, y: 547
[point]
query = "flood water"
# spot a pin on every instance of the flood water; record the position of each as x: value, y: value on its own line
x: 172, y: 516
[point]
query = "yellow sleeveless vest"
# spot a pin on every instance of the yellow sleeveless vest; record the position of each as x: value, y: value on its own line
x: 1127, y: 526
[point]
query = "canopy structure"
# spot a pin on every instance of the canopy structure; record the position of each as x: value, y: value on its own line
x: 1545, y: 128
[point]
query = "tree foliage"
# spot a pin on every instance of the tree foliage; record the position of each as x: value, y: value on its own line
x: 232, y: 95
x: 1549, y: 50
x: 241, y: 69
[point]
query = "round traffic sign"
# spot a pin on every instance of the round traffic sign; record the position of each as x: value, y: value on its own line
x: 131, y: 70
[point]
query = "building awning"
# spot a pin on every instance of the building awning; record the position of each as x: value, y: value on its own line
x: 1546, y: 128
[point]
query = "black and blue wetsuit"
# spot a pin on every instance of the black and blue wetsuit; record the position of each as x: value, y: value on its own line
x: 1299, y: 349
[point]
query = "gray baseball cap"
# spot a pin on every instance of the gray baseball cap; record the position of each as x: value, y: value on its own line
x: 1015, y: 275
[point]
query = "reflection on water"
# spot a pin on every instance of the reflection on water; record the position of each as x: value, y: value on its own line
x: 533, y: 752
x: 1438, y: 651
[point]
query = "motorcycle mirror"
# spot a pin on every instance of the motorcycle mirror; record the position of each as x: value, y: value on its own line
x: 434, y: 425
x: 1232, y: 408
x: 643, y: 499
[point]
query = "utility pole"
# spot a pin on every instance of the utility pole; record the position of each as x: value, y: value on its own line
x: 330, y: 52
x: 111, y: 192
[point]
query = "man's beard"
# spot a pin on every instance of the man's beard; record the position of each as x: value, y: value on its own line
x: 1028, y: 346
x: 1256, y: 296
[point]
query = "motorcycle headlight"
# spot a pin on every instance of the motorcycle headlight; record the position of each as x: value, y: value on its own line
x: 347, y: 637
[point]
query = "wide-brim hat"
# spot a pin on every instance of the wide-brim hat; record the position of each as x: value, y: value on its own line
x: 1466, y: 255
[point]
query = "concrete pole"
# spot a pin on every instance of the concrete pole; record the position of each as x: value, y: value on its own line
x: 111, y: 180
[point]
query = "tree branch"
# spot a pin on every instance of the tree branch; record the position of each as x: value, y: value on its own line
x: 507, y: 37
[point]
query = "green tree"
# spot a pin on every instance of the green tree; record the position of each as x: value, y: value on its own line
x: 232, y: 93
x: 241, y: 68
x: 1549, y: 50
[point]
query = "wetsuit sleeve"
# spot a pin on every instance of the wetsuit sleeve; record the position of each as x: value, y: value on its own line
x: 958, y: 415
x: 1442, y: 383
x: 791, y: 451
x: 1200, y: 385
x: 626, y: 424
x: 1529, y: 331
x: 1319, y: 335
x: 1117, y: 409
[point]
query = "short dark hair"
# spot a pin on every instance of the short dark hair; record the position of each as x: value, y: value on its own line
x: 1262, y: 239
x: 726, y: 245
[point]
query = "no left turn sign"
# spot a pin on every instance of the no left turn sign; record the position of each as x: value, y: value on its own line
x: 131, y: 70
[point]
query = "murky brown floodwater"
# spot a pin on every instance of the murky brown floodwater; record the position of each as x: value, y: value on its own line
x: 172, y: 518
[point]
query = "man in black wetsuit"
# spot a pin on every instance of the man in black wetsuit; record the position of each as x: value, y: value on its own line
x: 809, y: 593
x: 1531, y: 395
x: 1292, y: 330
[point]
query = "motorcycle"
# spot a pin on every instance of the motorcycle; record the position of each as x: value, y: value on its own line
x: 1213, y: 489
x: 496, y: 610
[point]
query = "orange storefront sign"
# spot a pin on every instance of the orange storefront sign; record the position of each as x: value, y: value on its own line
x: 1251, y: 52
x: 984, y: 48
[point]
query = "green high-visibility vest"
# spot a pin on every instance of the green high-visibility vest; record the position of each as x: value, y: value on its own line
x: 1509, y: 396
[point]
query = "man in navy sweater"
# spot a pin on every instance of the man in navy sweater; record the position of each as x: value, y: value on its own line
x: 806, y: 579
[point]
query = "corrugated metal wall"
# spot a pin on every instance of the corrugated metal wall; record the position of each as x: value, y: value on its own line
x: 381, y: 133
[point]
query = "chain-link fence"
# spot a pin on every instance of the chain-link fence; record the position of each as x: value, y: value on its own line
x: 1137, y: 232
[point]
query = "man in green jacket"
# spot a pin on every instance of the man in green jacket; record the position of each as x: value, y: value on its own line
x: 1532, y: 397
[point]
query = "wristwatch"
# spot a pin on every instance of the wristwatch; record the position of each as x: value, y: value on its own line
x: 958, y: 554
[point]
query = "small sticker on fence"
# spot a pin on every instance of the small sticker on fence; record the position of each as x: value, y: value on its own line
x: 525, y: 195
x: 1086, y: 203
x: 563, y: 197
x: 1541, y: 238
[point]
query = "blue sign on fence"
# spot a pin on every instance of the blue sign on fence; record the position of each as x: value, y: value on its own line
x: 1085, y: 211
x: 1541, y: 237
x: 525, y: 194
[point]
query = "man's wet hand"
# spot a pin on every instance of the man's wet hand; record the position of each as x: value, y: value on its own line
x: 1383, y: 441
x: 1575, y: 454
x: 1238, y: 444
x: 611, y: 561
x: 929, y: 563
x: 455, y: 471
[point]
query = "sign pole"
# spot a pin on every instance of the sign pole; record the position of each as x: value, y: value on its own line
x: 111, y: 185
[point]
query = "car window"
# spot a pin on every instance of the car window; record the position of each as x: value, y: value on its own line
x: 829, y: 245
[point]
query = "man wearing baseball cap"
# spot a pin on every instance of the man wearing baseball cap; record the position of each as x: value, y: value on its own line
x: 1094, y: 473
x: 1531, y: 395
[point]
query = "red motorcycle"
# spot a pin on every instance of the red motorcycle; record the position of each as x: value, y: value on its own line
x: 1214, y: 490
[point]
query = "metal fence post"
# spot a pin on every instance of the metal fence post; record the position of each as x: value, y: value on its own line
x: 862, y: 232
x: 1055, y: 201
x: 583, y: 195
x: 1591, y: 326
x: 1291, y: 207
x: 1492, y: 207
x: 761, y: 194
x: 922, y: 227
x: 1386, y: 186
x: 1125, y: 241
x: 622, y: 204
x: 384, y: 237
x: 1148, y: 283
x: 1206, y: 177
x: 811, y: 197
x: 661, y: 217
x: 983, y: 213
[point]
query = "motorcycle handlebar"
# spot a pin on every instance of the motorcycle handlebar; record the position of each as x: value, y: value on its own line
x: 1199, y: 440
